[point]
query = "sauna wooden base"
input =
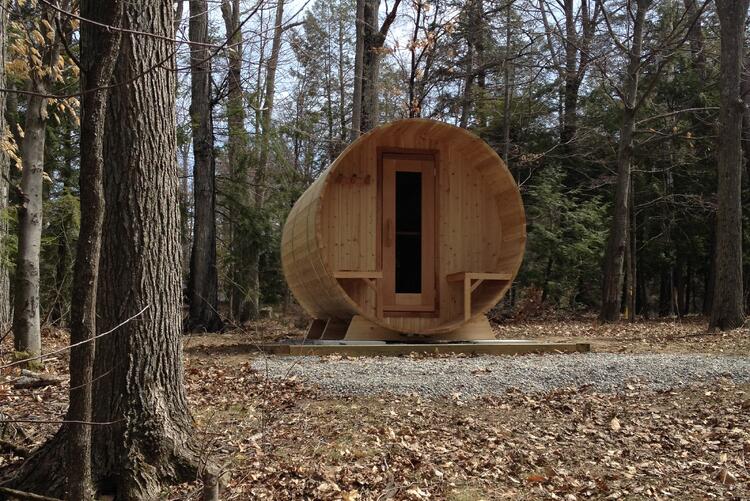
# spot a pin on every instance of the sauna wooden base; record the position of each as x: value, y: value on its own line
x: 394, y: 349
x: 361, y: 329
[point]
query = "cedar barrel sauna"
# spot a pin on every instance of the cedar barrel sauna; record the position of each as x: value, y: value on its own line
x: 414, y: 233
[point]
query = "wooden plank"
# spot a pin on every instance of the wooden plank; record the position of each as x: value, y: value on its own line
x: 467, y: 298
x: 459, y: 277
x: 357, y: 274
x: 476, y: 284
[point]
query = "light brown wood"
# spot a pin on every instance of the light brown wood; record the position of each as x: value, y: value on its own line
x: 362, y: 329
x: 335, y: 231
x: 358, y: 274
x: 459, y: 277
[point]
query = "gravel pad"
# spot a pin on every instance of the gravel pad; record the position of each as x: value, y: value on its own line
x: 493, y: 375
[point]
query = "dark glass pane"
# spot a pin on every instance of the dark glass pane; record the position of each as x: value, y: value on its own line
x: 408, y: 232
x: 409, y: 201
x: 408, y: 264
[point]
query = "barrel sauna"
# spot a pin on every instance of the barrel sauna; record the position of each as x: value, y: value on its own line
x: 414, y: 232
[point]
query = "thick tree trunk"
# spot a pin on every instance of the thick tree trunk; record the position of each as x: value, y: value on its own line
x: 144, y: 438
x: 6, y: 315
x: 138, y: 369
x: 203, y: 314
x: 728, y: 308
x: 615, y: 252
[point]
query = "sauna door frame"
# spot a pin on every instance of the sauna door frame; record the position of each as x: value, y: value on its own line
x: 423, y: 310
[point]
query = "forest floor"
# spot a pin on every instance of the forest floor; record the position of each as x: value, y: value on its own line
x: 280, y: 436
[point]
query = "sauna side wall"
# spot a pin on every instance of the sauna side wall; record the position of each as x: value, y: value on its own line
x: 303, y: 263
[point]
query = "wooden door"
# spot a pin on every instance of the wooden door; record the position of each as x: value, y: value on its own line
x: 407, y: 229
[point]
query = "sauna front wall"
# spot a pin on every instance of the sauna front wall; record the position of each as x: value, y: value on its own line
x: 333, y: 227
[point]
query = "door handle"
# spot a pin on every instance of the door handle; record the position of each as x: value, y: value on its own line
x: 387, y: 232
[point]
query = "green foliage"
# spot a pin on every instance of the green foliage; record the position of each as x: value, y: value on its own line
x: 566, y: 238
x: 62, y: 216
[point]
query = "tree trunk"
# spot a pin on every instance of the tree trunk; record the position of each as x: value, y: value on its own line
x: 572, y: 81
x: 99, y: 50
x: 203, y: 300
x: 144, y: 439
x: 140, y: 365
x: 240, y: 241
x: 358, y: 61
x: 370, y: 66
x: 728, y: 308
x: 6, y: 315
x: 507, y: 83
x: 57, y: 310
x: 374, y: 40
x: 474, y: 32
x: 26, y: 328
x: 632, y: 257
x: 615, y: 252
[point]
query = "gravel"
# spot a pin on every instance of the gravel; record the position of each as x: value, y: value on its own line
x: 493, y: 375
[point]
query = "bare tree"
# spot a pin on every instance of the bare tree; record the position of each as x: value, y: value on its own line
x: 632, y: 98
x: 237, y: 157
x: 728, y: 309
x: 203, y: 286
x: 5, y: 309
x: 373, y: 41
x: 574, y: 59
x: 26, y: 323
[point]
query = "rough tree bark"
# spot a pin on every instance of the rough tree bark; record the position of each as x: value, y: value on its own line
x: 26, y: 328
x: 727, y: 310
x: 618, y: 235
x: 99, y: 50
x: 138, y: 370
x: 203, y: 287
x: 144, y: 438
x: 5, y: 309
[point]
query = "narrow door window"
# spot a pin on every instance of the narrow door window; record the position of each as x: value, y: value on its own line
x: 407, y: 231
